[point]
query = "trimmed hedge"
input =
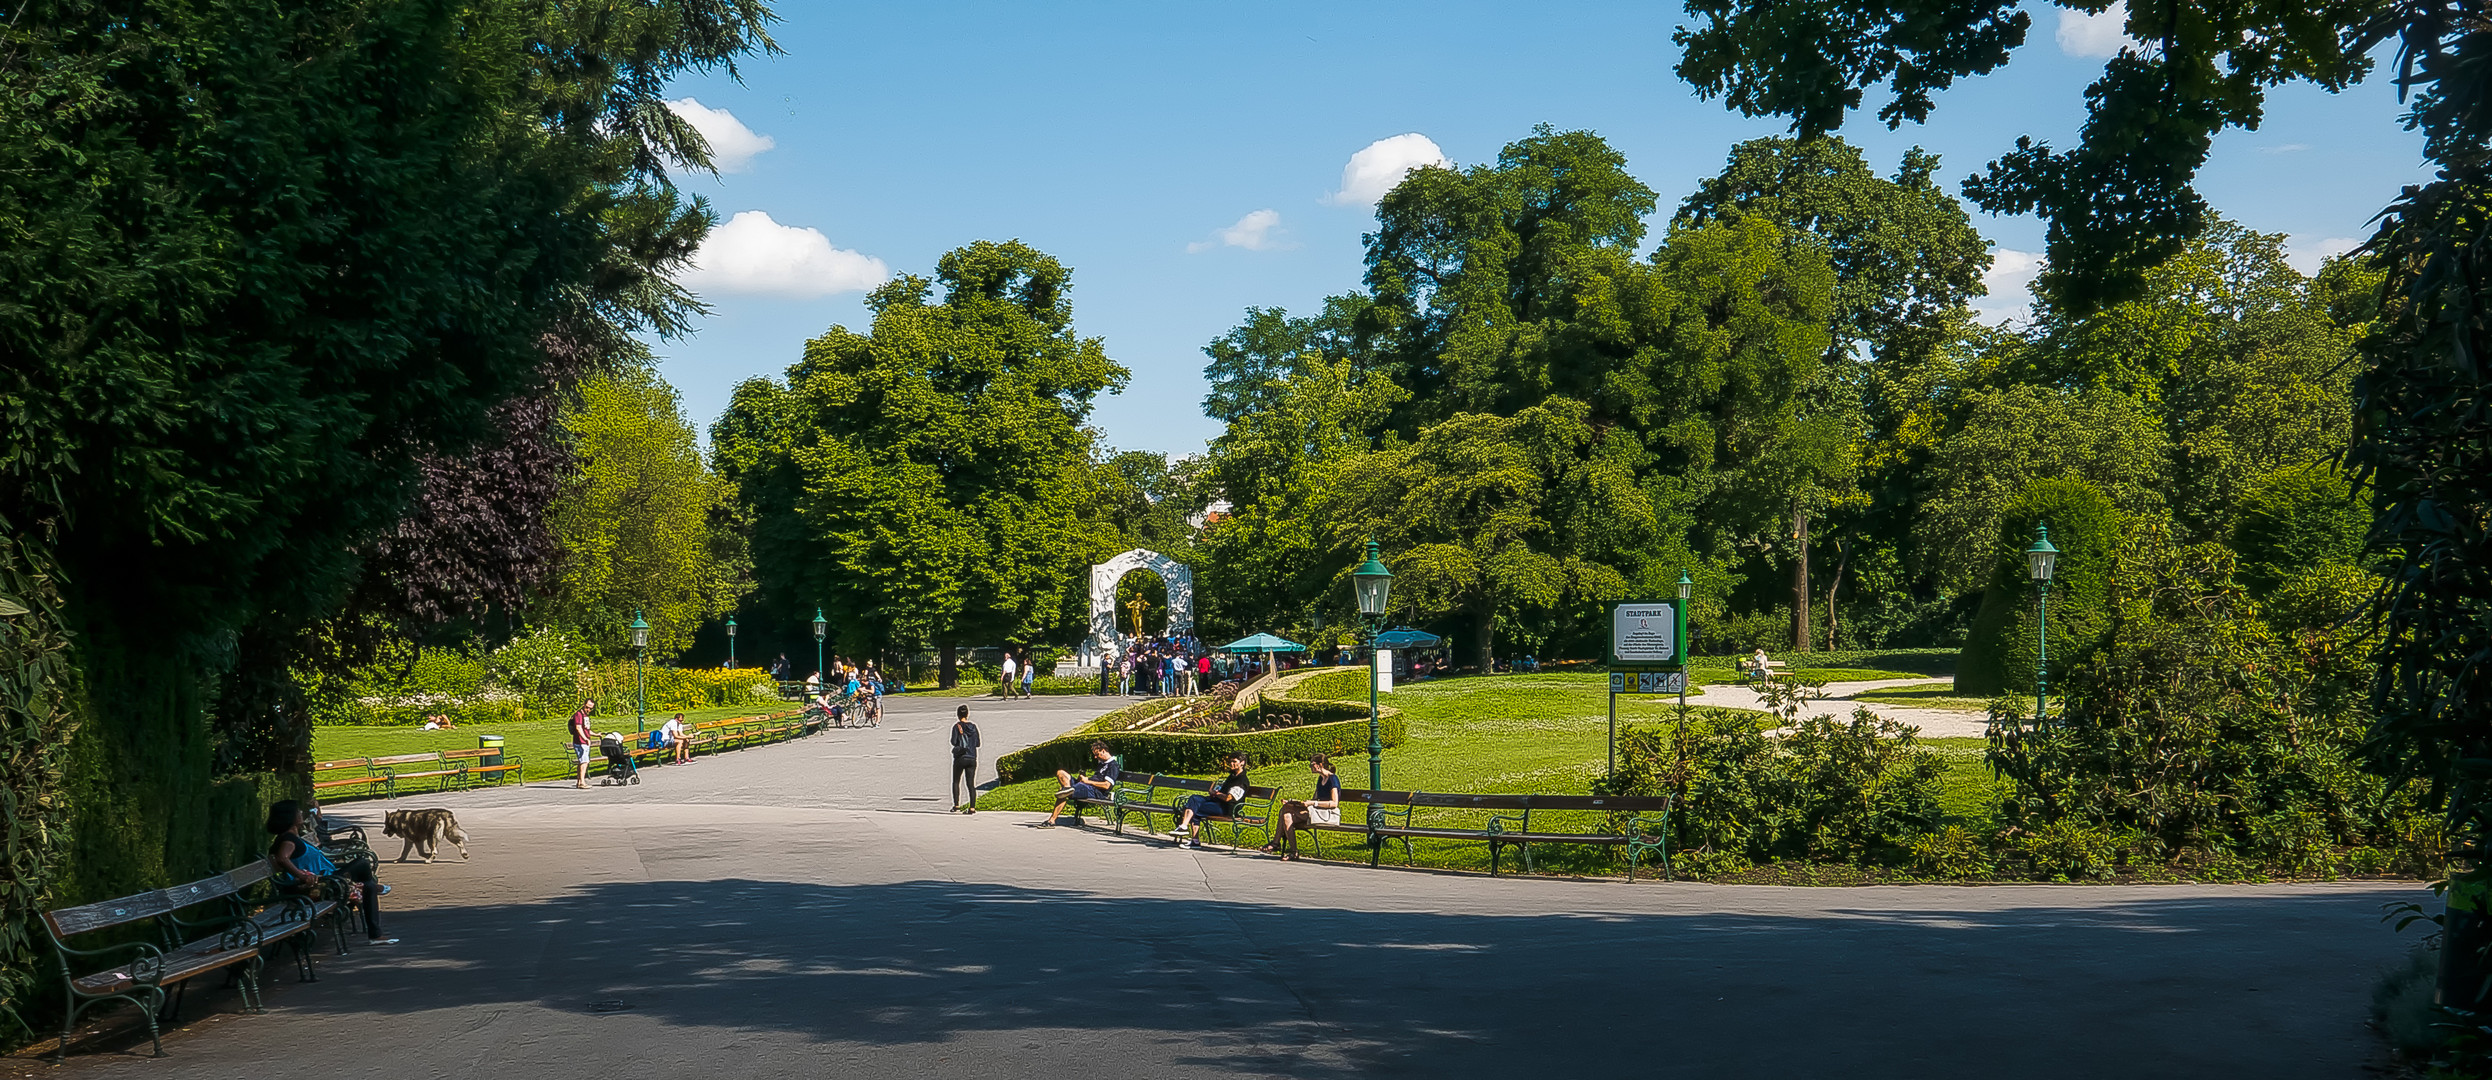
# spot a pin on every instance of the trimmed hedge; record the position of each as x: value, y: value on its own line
x: 1341, y: 685
x: 1153, y: 751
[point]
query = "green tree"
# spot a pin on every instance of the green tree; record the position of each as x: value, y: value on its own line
x: 2295, y: 521
x: 644, y: 526
x: 2012, y: 438
x: 1498, y: 523
x: 245, y: 299
x: 1251, y: 361
x: 924, y: 482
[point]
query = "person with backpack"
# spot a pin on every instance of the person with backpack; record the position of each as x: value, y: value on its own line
x: 964, y: 762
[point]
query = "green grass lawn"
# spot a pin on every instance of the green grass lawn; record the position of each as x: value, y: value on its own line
x: 543, y: 746
x: 1969, y: 792
x: 1929, y: 695
x: 1502, y: 733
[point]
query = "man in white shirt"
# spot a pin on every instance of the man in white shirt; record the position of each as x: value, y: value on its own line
x: 671, y: 736
x: 1010, y: 671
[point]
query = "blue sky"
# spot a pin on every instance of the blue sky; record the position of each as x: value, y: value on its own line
x: 1188, y: 159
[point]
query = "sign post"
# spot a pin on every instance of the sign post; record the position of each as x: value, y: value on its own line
x: 1647, y: 655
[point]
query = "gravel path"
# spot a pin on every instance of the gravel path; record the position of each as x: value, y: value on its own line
x: 1934, y: 723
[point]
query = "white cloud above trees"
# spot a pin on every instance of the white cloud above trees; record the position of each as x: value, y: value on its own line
x: 753, y: 254
x: 1381, y: 164
x: 1257, y: 231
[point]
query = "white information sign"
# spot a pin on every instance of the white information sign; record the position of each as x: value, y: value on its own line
x: 1647, y: 682
x: 1384, y: 671
x: 1644, y: 633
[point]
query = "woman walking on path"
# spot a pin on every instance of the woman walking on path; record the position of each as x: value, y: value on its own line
x: 964, y: 762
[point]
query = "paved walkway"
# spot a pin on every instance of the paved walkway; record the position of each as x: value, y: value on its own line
x: 1838, y: 703
x: 801, y: 910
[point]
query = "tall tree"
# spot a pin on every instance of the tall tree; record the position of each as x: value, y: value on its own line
x: 263, y: 258
x: 643, y: 525
x: 1251, y: 361
x: 1905, y: 257
x: 926, y: 479
x: 2123, y: 200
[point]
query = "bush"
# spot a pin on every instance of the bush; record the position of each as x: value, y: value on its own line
x: 1346, y: 684
x: 543, y: 666
x: 1153, y: 751
x: 1951, y: 853
x: 1741, y: 634
x: 1855, y: 791
x: 2295, y: 520
x: 1999, y: 651
x: 2193, y: 736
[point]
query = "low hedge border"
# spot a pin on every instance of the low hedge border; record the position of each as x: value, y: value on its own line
x: 1156, y: 751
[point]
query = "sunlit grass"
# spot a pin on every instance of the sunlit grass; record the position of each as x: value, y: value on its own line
x: 542, y: 744
x: 1929, y: 695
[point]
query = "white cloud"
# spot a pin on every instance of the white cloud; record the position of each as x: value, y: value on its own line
x: 2010, y: 284
x: 2093, y: 36
x: 1374, y: 170
x: 1254, y: 232
x: 2307, y: 255
x: 753, y: 254
x: 732, y: 145
x: 2284, y: 148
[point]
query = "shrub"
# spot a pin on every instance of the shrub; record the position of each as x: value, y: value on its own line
x: 2402, y: 1004
x: 1855, y: 790
x: 1346, y: 684
x: 1999, y: 651
x: 2192, y: 735
x: 1952, y: 853
x: 2295, y: 520
x: 1153, y: 751
x: 542, y: 666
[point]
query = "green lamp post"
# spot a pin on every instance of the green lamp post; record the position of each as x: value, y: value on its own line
x: 821, y: 629
x: 640, y: 681
x: 1687, y: 588
x: 2039, y: 559
x: 1373, y: 585
x: 731, y: 643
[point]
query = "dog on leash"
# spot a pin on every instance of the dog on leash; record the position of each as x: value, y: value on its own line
x: 423, y: 831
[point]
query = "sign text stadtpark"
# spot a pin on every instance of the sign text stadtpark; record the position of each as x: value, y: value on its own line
x: 1646, y: 633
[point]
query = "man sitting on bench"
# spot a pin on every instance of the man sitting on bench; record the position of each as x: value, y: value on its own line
x: 1221, y: 803
x: 1097, y: 785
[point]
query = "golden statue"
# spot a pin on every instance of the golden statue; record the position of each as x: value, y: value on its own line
x: 1137, y: 606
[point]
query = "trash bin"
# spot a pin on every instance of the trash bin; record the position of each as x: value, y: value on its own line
x: 492, y: 745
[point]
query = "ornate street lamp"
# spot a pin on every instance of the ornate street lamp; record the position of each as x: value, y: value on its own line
x: 731, y: 643
x: 821, y: 629
x: 1687, y: 588
x: 1372, y: 584
x: 2040, y: 558
x: 640, y: 681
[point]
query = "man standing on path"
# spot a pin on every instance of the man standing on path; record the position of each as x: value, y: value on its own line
x: 964, y: 762
x: 582, y: 738
x: 1010, y: 672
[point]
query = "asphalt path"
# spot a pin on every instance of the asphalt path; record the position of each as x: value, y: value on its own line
x: 804, y: 910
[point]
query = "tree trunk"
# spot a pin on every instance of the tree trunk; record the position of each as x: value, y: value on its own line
x: 947, y: 671
x: 1799, y: 582
x: 1487, y: 622
x: 1834, y: 615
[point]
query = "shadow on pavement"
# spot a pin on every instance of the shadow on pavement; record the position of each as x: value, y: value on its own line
x: 2266, y: 985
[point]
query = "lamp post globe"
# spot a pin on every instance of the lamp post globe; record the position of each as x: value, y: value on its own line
x: 2040, y: 560
x: 1372, y: 586
x: 640, y: 681
x: 731, y: 643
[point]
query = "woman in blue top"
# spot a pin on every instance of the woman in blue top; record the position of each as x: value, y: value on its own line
x: 299, y: 866
x: 1323, y: 809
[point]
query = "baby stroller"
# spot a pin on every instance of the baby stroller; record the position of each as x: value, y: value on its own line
x: 620, y: 769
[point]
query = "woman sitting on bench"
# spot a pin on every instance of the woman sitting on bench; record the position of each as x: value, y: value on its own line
x: 1323, y: 809
x: 300, y: 866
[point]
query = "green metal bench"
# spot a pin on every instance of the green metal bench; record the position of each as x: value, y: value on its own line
x: 1167, y: 794
x: 140, y: 973
x: 1637, y: 824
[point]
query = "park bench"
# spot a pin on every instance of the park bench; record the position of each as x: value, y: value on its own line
x: 138, y: 972
x: 1759, y: 673
x: 1149, y: 794
x: 280, y: 918
x: 1109, y: 806
x: 365, y: 776
x: 444, y: 773
x: 472, y: 767
x: 1508, y: 822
